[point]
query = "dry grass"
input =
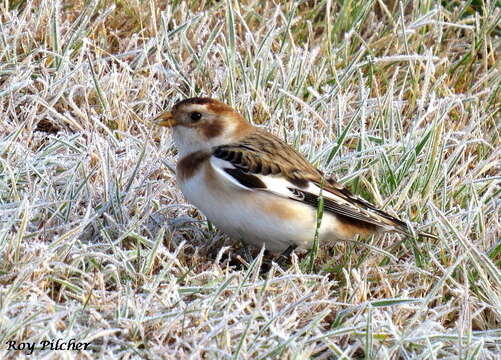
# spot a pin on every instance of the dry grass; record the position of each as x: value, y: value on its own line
x: 401, y: 102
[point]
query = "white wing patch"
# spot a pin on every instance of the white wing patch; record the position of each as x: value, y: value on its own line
x: 280, y: 186
x: 337, y: 204
x: 277, y: 185
x: 219, y: 165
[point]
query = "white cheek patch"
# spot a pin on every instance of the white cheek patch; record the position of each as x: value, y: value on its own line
x: 187, y: 140
x: 191, y: 139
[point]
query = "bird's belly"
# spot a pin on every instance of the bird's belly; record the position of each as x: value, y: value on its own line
x: 257, y: 217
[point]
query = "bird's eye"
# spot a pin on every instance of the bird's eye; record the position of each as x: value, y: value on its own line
x: 195, y: 116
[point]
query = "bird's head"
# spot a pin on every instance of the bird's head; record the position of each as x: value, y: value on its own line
x: 202, y: 123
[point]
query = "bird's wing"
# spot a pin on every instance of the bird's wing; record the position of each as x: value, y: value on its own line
x: 263, y: 162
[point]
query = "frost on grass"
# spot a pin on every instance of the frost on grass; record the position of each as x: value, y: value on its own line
x: 401, y: 103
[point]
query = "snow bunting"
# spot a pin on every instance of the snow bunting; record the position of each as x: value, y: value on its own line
x: 256, y: 188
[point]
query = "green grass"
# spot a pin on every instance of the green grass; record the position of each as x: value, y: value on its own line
x: 400, y: 102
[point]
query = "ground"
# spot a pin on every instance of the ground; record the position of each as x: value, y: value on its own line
x: 398, y: 100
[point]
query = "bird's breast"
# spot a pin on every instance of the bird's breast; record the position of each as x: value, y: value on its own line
x: 190, y: 164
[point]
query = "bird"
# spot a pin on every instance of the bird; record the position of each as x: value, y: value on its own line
x: 258, y: 189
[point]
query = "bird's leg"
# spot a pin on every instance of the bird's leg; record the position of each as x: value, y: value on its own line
x: 280, y: 260
x: 247, y: 254
x: 288, y: 252
x: 283, y: 257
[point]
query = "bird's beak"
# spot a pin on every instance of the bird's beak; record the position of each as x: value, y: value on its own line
x: 165, y: 119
